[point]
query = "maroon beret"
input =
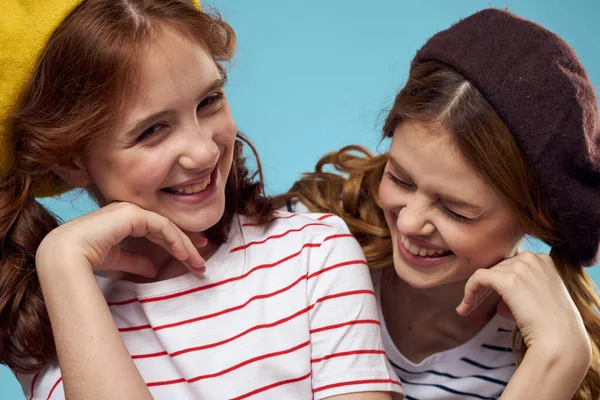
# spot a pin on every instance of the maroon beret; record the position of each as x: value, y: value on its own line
x: 540, y: 89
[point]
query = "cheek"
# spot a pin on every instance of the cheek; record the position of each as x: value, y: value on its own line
x: 224, y: 128
x: 388, y: 196
x: 129, y: 177
x: 481, y: 247
x: 388, y: 202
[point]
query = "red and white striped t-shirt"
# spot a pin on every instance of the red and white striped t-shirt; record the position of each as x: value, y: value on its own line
x: 286, y: 312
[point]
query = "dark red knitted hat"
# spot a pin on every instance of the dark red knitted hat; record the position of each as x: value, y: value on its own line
x: 540, y: 89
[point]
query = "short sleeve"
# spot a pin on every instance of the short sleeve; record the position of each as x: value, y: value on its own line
x: 346, y: 344
x: 44, y: 384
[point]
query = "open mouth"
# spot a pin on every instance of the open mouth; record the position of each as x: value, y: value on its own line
x: 190, y: 189
x: 424, y: 252
x: 193, y: 188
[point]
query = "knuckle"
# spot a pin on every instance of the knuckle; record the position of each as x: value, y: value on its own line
x: 127, y: 207
x: 528, y: 256
x: 478, y: 274
x: 512, y: 279
x: 545, y: 258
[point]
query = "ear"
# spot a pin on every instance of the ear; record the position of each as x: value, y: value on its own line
x: 74, y: 173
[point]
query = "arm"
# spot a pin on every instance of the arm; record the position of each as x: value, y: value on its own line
x: 558, y: 347
x: 548, y: 375
x: 94, y: 361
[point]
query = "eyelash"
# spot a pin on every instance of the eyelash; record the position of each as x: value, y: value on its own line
x: 213, y: 98
x: 449, y: 213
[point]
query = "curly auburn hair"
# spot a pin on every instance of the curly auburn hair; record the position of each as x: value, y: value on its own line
x: 71, y: 98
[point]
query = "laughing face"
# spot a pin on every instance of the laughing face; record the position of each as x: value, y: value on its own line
x: 172, y: 150
x: 445, y: 220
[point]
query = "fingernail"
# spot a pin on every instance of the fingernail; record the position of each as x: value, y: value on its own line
x: 201, y: 242
x: 199, y: 273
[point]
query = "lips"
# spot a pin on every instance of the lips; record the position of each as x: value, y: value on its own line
x: 191, y: 189
x: 192, y: 186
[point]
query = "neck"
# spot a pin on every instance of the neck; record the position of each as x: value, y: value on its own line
x: 434, y: 325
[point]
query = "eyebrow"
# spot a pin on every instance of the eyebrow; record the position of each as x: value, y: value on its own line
x: 216, y: 84
x: 445, y: 198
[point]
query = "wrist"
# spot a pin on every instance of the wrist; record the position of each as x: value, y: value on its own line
x: 54, y: 260
x: 572, y: 358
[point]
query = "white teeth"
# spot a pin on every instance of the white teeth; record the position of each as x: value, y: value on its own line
x: 418, y: 250
x: 414, y: 249
x: 192, y: 189
x: 429, y: 252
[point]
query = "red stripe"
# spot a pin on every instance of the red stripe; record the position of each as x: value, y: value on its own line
x: 361, y: 382
x: 256, y: 327
x: 239, y: 335
x: 240, y: 306
x: 121, y: 303
x: 223, y: 282
x: 166, y: 383
x: 339, y: 235
x: 252, y: 360
x: 149, y: 355
x: 54, y: 387
x: 271, y: 386
x: 342, y: 264
x: 278, y: 236
x: 326, y: 216
x: 216, y: 314
x: 33, y: 383
x: 345, y: 354
x: 343, y: 294
x: 271, y: 220
x: 228, y: 370
x: 336, y: 326
x: 135, y: 328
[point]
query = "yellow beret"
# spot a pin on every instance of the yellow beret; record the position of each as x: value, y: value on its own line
x: 25, y: 28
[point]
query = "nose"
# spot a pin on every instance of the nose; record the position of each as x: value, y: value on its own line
x: 412, y: 219
x: 198, y: 148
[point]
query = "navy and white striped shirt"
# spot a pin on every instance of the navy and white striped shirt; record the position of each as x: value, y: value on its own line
x: 477, y: 369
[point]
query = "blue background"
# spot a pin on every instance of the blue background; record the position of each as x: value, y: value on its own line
x: 311, y: 76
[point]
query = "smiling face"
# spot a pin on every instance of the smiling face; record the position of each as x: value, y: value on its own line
x: 171, y: 151
x: 445, y: 221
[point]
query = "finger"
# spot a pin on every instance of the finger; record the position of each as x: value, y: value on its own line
x: 481, y: 295
x: 477, y: 286
x: 135, y: 263
x: 197, y: 238
x: 470, y: 304
x: 195, y: 260
x: 503, y: 310
x: 163, y: 232
x: 181, y: 243
x: 166, y: 234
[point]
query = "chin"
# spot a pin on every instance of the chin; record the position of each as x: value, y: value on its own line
x: 424, y: 279
x: 202, y: 220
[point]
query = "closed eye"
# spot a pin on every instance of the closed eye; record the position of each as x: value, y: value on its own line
x: 399, y: 182
x: 455, y: 216
x: 448, y: 212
